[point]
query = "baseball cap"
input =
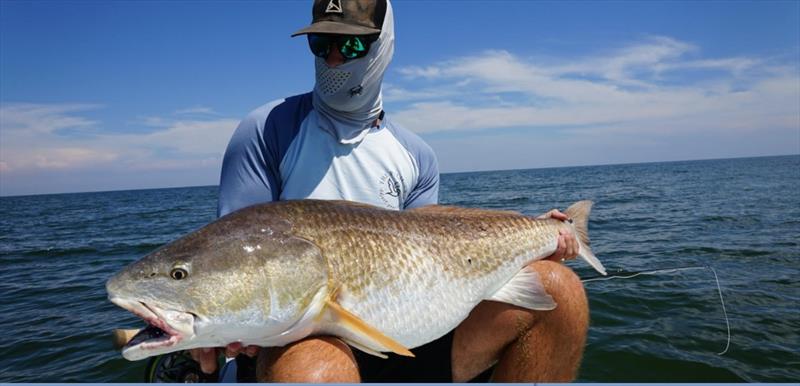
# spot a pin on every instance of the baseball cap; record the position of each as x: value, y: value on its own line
x: 346, y: 17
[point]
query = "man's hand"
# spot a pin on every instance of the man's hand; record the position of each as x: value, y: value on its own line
x: 207, y: 357
x: 567, y: 244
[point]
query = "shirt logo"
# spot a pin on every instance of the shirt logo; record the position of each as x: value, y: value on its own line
x: 334, y: 6
x: 391, y: 191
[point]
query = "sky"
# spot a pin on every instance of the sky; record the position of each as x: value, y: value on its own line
x: 113, y: 95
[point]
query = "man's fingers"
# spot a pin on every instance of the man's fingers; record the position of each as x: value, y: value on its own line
x: 252, y: 351
x: 559, y: 253
x: 233, y: 349
x: 567, y: 247
x: 206, y: 357
x: 555, y: 214
x: 572, y: 249
x: 572, y: 246
x: 236, y: 348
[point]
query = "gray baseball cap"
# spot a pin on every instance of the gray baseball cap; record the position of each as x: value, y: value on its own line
x: 346, y: 17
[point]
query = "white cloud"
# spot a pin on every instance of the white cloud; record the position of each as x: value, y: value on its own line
x: 196, y: 110
x: 43, y: 118
x: 394, y: 93
x: 623, y: 91
x: 620, y: 66
x: 30, y: 141
x: 67, y: 157
x: 655, y: 100
x: 188, y: 137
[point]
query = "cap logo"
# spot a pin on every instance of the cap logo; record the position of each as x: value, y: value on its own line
x: 334, y: 6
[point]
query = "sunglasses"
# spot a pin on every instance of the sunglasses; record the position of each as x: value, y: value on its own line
x: 350, y: 46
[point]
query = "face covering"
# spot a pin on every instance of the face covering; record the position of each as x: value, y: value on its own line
x: 347, y: 97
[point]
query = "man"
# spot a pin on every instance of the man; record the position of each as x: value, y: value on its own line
x: 337, y: 143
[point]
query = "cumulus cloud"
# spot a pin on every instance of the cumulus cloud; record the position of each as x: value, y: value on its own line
x: 44, y: 118
x: 31, y: 141
x: 640, y: 88
x: 647, y: 101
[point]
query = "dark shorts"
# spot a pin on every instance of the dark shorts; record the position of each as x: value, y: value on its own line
x: 431, y: 363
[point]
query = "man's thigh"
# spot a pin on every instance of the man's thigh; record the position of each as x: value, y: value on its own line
x: 328, y: 359
x: 321, y: 359
x: 482, y: 338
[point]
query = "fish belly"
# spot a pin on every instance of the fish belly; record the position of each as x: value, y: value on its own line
x: 422, y: 305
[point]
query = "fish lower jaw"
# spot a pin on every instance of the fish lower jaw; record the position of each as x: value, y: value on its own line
x: 165, y: 329
x: 151, y: 347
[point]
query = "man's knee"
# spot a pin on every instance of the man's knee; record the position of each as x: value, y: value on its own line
x: 483, y: 337
x: 559, y: 281
x: 312, y: 360
x: 566, y: 288
x: 551, y: 349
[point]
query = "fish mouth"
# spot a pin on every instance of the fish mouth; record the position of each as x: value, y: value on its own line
x: 165, y: 329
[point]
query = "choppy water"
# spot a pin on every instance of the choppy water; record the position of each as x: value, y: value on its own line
x: 741, y: 216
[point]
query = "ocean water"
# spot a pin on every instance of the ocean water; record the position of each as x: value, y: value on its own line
x: 739, y: 216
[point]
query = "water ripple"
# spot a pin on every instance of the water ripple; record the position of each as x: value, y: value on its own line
x: 56, y: 251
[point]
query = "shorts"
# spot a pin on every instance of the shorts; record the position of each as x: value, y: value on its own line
x: 431, y: 363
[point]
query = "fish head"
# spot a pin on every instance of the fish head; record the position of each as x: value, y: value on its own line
x: 230, y: 281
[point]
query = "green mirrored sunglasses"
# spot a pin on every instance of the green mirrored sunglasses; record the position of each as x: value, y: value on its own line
x: 350, y: 46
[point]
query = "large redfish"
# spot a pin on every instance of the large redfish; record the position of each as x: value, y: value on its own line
x: 382, y: 280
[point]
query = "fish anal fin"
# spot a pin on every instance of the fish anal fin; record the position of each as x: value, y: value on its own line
x: 365, y: 349
x: 362, y: 333
x: 525, y: 290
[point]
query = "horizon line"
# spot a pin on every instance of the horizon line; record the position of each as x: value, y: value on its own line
x: 441, y: 173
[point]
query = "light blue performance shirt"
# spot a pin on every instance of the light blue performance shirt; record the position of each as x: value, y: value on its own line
x: 281, y: 153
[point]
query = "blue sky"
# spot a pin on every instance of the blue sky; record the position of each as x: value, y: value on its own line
x: 106, y: 95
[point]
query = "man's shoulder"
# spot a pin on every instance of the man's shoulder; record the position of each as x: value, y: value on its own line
x: 413, y: 143
x: 280, y: 109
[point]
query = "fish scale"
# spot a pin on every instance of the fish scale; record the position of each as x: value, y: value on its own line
x: 389, y: 266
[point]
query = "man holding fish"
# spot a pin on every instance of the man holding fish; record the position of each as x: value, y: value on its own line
x: 336, y: 143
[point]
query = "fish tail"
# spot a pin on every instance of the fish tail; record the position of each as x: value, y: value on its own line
x: 579, y: 213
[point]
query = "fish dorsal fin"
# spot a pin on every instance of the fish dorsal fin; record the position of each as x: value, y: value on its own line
x: 457, y: 210
x: 360, y: 332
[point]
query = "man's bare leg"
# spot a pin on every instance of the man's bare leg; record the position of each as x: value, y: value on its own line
x: 528, y: 346
x: 320, y: 359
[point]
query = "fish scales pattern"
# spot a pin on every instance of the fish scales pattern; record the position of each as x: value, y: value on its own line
x: 261, y: 275
x: 425, y: 270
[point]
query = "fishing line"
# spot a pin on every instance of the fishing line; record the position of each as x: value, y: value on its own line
x: 673, y: 270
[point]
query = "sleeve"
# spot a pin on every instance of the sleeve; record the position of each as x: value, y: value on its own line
x: 426, y: 191
x: 249, y: 171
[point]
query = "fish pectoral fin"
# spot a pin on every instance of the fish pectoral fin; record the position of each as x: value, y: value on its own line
x: 362, y: 334
x: 525, y: 290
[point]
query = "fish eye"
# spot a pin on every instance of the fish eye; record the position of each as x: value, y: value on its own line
x: 178, y: 273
